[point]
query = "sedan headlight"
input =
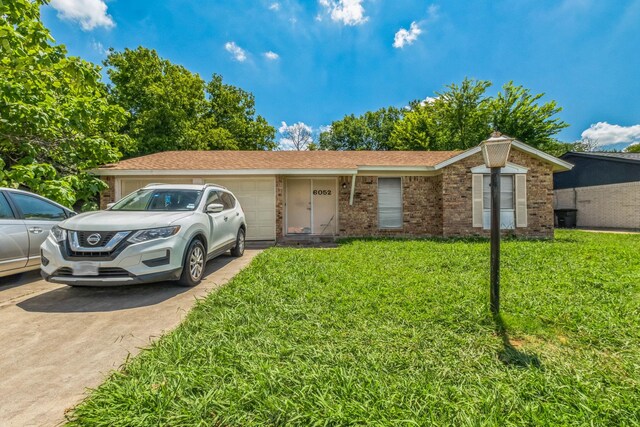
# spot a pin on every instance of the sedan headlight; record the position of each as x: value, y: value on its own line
x: 153, y: 233
x: 58, y: 234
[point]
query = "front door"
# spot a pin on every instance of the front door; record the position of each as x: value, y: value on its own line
x: 311, y: 206
x: 324, y: 206
x: 299, y: 206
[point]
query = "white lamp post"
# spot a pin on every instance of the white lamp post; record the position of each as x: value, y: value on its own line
x: 495, y: 151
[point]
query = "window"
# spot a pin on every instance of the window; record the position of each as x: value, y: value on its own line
x: 36, y: 208
x: 159, y: 200
x: 389, y: 202
x: 5, y: 209
x: 213, y: 197
x: 227, y: 200
x: 507, y: 207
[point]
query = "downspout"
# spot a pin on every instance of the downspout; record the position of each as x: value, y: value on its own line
x: 353, y: 188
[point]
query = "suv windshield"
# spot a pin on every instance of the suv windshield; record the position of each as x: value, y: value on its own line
x: 159, y: 200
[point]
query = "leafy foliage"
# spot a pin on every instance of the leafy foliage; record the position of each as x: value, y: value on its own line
x: 634, y: 148
x: 458, y: 118
x: 392, y: 332
x: 517, y: 113
x: 174, y: 109
x: 56, y: 121
x: 370, y: 131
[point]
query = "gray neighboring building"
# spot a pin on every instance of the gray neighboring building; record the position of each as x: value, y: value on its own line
x: 603, y: 187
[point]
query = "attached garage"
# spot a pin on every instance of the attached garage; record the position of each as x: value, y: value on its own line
x: 258, y: 199
x: 257, y: 196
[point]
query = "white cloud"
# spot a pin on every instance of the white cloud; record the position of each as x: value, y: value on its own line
x: 272, y: 56
x: 428, y: 100
x: 238, y: 53
x: 349, y: 12
x: 406, y: 37
x: 275, y: 6
x: 89, y: 13
x: 99, y: 47
x: 433, y: 12
x: 603, y: 133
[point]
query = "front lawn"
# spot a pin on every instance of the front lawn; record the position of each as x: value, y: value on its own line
x: 387, y: 332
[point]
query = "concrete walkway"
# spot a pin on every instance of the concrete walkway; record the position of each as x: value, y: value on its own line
x: 57, y: 341
x: 609, y: 230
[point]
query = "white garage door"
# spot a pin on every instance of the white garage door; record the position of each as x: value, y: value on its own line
x: 129, y: 185
x: 258, y: 199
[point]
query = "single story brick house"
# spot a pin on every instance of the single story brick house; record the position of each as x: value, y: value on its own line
x: 359, y: 193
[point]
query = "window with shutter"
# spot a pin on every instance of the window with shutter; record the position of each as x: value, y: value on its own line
x: 389, y: 202
x: 507, y: 206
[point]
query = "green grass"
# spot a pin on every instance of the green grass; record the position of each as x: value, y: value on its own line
x: 388, y: 332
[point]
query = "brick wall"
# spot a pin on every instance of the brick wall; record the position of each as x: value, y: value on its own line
x: 422, y: 207
x: 457, y: 202
x: 596, y: 204
x: 108, y: 195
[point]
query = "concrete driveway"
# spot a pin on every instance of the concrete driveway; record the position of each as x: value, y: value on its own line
x: 57, y: 341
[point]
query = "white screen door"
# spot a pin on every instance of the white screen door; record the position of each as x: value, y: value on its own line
x: 299, y: 206
x: 324, y: 206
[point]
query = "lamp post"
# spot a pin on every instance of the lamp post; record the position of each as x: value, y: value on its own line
x: 495, y: 151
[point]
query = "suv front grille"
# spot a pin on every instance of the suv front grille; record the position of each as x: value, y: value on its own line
x: 105, y: 236
x: 107, y: 249
x: 88, y: 254
x: 102, y: 272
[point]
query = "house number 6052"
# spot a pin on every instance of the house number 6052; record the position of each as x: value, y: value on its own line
x: 321, y: 192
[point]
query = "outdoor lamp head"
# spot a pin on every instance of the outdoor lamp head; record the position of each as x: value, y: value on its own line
x: 495, y: 150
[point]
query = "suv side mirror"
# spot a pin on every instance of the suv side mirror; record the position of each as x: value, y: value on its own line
x: 214, y: 208
x: 110, y: 205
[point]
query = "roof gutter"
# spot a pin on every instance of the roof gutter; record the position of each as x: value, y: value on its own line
x: 218, y: 172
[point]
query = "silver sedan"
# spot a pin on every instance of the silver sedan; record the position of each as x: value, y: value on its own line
x: 25, y: 221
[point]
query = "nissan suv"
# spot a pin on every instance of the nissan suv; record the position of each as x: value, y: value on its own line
x: 160, y: 232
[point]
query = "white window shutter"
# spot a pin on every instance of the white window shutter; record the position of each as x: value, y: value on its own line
x: 521, y: 200
x: 476, y: 196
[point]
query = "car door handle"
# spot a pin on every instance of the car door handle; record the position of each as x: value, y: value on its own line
x: 35, y: 230
x: 237, y: 213
x: 226, y: 218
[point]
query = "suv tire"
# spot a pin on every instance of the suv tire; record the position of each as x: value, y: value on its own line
x: 195, y: 261
x: 238, y: 249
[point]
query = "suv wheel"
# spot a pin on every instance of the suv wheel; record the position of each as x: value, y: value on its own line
x: 238, y: 249
x: 194, y: 263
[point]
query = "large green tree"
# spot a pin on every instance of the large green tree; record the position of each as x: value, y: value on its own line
x: 459, y: 117
x: 172, y: 108
x: 516, y: 112
x: 370, y: 131
x: 56, y: 121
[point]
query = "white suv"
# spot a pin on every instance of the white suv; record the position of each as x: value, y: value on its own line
x: 160, y: 232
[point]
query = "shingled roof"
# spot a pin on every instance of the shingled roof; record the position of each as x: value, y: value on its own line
x: 280, y: 160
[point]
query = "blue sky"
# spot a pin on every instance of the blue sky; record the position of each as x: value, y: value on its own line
x: 315, y: 61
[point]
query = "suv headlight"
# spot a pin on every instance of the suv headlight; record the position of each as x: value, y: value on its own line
x: 153, y: 233
x: 58, y: 234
